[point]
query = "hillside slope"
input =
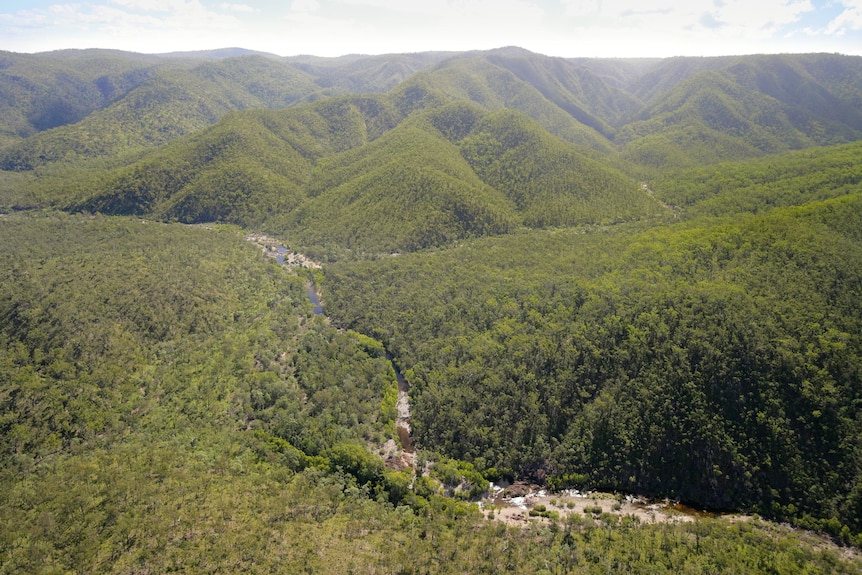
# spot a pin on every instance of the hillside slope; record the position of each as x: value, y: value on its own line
x: 723, y: 109
x: 172, y: 103
x: 674, y: 112
x: 169, y: 402
x: 319, y: 173
x: 716, y: 363
x: 486, y: 80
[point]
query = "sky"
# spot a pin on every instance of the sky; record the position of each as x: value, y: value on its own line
x: 567, y: 28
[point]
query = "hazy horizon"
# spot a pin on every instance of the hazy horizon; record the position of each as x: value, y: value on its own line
x: 566, y: 28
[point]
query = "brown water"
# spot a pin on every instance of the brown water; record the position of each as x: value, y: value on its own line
x: 405, y: 439
x: 692, y: 512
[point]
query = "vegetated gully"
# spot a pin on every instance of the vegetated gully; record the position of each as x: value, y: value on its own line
x: 510, y: 506
x: 292, y: 260
x: 402, y: 419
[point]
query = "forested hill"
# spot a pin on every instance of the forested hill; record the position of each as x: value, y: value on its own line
x: 165, y: 100
x: 640, y: 276
x: 717, y: 363
x: 440, y: 147
x: 107, y: 102
x: 678, y: 111
x: 320, y: 172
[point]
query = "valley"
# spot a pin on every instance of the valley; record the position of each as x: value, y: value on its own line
x: 269, y: 314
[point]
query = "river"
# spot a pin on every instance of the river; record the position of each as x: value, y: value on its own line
x: 314, y: 298
x: 292, y: 260
x: 509, y: 507
x: 403, y: 418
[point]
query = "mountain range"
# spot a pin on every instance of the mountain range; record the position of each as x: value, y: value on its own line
x: 505, y: 138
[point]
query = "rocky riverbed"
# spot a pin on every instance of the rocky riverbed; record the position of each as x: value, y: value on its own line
x: 520, y: 504
x: 288, y: 258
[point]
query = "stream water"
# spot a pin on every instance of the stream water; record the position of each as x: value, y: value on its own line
x: 403, y: 418
x: 508, y: 506
x: 314, y: 298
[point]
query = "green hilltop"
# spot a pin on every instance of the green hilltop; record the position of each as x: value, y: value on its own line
x: 172, y: 102
x: 317, y: 173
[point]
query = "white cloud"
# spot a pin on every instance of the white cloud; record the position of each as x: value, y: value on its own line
x: 849, y: 20
x: 415, y: 7
x: 452, y: 12
x: 673, y: 15
x: 581, y: 8
x: 677, y: 27
x: 764, y: 16
x: 379, y: 26
x: 137, y: 25
x: 335, y: 27
x: 173, y: 16
x: 149, y: 5
x: 241, y: 8
x: 305, y: 6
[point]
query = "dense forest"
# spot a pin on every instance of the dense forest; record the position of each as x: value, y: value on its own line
x: 638, y: 277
